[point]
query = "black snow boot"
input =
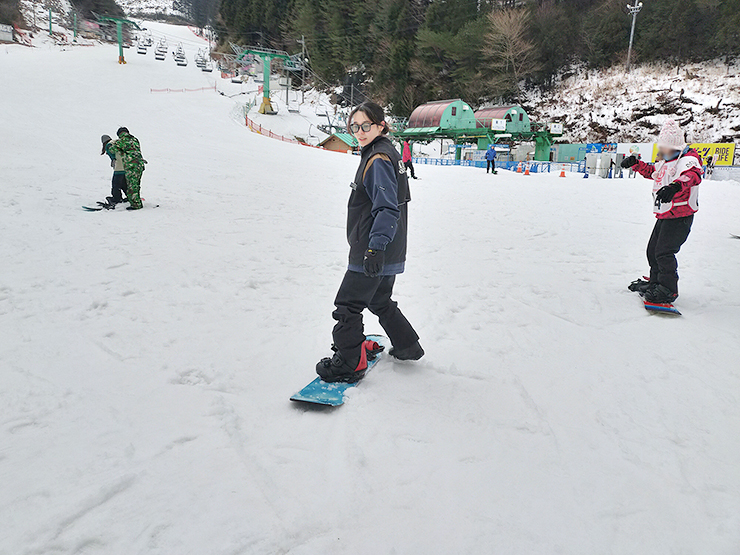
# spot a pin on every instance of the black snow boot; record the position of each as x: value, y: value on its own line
x: 639, y: 286
x: 415, y: 352
x: 660, y: 294
x: 337, y: 369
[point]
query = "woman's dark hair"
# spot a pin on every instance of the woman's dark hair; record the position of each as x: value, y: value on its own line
x: 374, y: 113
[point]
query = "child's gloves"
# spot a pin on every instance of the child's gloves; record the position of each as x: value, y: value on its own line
x: 373, y: 262
x: 629, y: 161
x: 666, y: 194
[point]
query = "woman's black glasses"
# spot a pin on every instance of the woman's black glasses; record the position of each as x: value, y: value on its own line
x: 365, y: 127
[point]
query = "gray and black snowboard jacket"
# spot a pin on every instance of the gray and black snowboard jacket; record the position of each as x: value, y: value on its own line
x: 377, y: 213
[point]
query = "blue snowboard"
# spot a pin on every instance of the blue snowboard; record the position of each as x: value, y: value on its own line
x: 664, y: 308
x: 320, y: 392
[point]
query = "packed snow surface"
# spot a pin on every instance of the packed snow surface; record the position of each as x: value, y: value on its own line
x: 147, y: 357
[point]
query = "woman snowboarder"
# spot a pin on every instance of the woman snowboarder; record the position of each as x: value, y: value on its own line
x: 376, y: 231
x: 676, y: 177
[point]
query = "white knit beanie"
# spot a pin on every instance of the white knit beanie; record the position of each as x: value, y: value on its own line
x: 671, y: 136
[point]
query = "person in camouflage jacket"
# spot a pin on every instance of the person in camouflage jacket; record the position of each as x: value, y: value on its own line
x: 133, y: 164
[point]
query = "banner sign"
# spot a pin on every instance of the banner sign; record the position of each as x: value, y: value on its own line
x: 641, y: 150
x: 722, y: 153
x: 601, y: 147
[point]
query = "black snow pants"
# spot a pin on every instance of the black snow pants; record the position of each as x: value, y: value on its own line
x: 491, y: 165
x: 118, y: 186
x: 358, y: 292
x: 666, y: 240
x: 409, y: 166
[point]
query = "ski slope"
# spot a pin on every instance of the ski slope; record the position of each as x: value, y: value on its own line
x: 147, y: 357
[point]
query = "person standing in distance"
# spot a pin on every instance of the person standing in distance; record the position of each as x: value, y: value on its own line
x: 118, y: 183
x: 491, y: 159
x: 377, y: 216
x: 133, y: 164
x: 407, y: 159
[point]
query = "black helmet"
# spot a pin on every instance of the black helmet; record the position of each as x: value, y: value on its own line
x: 121, y: 131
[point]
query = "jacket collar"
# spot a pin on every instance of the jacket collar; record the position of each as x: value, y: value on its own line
x: 375, y: 141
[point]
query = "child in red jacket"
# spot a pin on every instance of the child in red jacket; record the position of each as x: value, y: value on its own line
x: 676, y: 179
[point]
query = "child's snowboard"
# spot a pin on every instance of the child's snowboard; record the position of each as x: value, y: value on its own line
x: 663, y: 308
x: 319, y: 392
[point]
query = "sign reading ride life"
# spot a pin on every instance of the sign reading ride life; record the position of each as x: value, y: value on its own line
x: 722, y: 153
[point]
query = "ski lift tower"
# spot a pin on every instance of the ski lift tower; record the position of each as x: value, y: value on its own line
x: 633, y: 10
x: 266, y: 55
x: 119, y: 21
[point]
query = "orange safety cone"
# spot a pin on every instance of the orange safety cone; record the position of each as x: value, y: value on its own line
x: 562, y: 171
x: 526, y: 170
x: 519, y: 168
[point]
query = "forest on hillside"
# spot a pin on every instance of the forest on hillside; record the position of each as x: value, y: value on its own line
x: 411, y: 51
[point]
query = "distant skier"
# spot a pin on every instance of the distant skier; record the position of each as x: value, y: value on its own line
x: 376, y: 231
x: 407, y: 159
x: 491, y: 159
x: 676, y: 179
x: 709, y: 169
x: 118, y: 183
x: 133, y: 164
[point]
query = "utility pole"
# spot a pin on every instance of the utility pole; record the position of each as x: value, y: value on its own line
x: 351, y: 95
x: 50, y: 34
x: 75, y: 15
x: 634, y: 10
x: 302, y: 42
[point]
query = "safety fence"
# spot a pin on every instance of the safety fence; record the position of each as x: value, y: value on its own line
x: 534, y: 167
x: 213, y: 88
x: 257, y: 128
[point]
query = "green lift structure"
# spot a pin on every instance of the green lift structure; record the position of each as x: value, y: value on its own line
x: 266, y: 56
x: 120, y: 22
x: 456, y: 120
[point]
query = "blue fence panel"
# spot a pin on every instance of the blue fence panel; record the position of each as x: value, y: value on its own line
x: 534, y: 167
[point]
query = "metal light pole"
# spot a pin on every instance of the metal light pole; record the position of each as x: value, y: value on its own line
x: 634, y: 10
x: 302, y: 42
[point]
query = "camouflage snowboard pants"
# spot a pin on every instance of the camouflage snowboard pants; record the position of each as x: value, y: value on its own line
x: 133, y: 178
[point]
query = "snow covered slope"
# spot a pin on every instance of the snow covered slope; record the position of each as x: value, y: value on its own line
x: 147, y: 358
x: 158, y: 7
x: 611, y: 106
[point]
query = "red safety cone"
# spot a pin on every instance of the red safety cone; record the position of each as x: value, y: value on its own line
x: 562, y: 171
x: 526, y: 170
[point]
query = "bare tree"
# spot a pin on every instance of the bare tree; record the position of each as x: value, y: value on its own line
x: 511, y: 56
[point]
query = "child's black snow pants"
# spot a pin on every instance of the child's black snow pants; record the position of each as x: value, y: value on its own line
x: 666, y: 240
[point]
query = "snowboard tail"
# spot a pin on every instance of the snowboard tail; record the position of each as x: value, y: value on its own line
x: 331, y: 394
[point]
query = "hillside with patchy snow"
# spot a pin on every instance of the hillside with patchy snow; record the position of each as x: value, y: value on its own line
x: 611, y: 106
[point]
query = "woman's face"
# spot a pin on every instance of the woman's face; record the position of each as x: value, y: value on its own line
x: 365, y: 137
